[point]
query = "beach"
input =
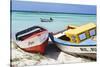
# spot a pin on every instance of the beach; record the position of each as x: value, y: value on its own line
x: 52, y: 55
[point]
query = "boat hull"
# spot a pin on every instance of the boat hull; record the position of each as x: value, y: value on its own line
x: 78, y: 49
x: 35, y: 44
x: 84, y: 51
x: 39, y: 48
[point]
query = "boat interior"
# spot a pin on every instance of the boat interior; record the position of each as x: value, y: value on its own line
x: 22, y: 35
x: 64, y: 38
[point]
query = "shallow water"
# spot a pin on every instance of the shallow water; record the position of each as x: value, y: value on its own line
x: 23, y: 20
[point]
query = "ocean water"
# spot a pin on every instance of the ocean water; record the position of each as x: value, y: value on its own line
x: 24, y: 20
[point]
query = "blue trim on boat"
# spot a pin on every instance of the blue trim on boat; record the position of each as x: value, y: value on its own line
x: 52, y: 7
x: 87, y: 42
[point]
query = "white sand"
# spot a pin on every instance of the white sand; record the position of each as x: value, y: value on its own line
x: 21, y: 58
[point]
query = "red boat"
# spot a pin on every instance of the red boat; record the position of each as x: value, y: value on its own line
x: 34, y: 39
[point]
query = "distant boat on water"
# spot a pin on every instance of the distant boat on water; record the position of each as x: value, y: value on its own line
x: 46, y: 20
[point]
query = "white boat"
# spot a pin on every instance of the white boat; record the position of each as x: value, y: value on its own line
x: 86, y: 48
x: 33, y: 39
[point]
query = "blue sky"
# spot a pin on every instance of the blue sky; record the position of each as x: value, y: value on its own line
x: 53, y: 7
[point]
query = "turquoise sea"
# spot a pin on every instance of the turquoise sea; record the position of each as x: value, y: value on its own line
x: 23, y: 20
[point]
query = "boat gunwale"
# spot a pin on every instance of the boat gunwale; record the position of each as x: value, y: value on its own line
x: 72, y: 45
x: 30, y: 29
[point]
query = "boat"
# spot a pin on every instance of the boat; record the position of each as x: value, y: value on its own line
x: 46, y: 20
x: 33, y: 39
x: 77, y: 41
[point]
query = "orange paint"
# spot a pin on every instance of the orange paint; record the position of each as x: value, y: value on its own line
x: 37, y: 49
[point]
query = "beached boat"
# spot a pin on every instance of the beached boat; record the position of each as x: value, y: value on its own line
x: 77, y: 40
x: 33, y: 39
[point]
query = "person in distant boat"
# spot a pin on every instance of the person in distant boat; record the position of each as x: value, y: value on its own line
x: 51, y: 19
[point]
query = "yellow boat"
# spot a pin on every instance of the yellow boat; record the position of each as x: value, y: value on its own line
x: 77, y: 40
